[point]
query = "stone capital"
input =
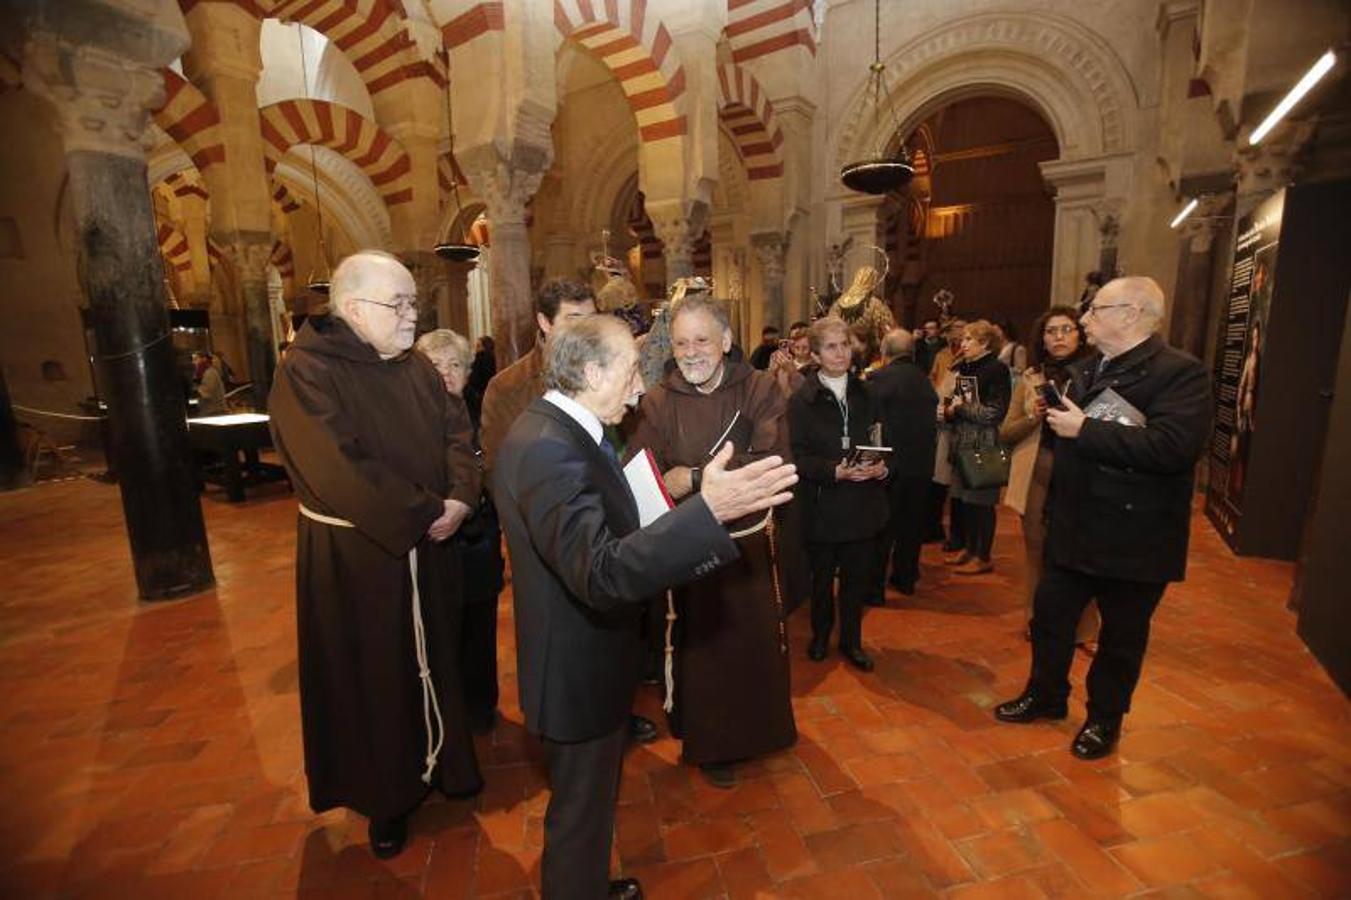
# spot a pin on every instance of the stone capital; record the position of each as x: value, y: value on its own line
x: 1273, y: 163
x: 103, y: 101
x: 771, y: 248
x: 250, y: 253
x: 678, y: 223
x: 225, y: 43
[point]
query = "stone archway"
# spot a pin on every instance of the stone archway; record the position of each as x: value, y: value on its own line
x: 1066, y: 72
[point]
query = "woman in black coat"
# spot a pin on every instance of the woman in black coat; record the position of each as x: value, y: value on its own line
x: 976, y: 409
x: 845, y: 507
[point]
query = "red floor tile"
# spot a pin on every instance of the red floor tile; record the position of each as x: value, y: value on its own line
x: 153, y: 750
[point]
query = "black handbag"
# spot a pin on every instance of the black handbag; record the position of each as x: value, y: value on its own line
x: 981, y: 468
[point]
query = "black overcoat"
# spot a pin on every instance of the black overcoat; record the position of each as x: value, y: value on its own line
x: 908, y: 405
x: 582, y: 570
x: 835, y: 511
x: 1121, y: 496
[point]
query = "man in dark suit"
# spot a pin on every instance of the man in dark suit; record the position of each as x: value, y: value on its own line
x: 582, y: 568
x: 908, y: 404
x: 1119, y: 510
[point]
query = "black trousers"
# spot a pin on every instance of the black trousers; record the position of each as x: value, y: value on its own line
x: 579, y: 823
x: 978, y: 525
x: 957, y: 536
x: 901, y: 539
x: 855, y: 562
x: 478, y: 658
x: 933, y: 517
x: 1126, y: 608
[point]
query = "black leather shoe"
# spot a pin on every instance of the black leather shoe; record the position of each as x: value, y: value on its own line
x: 1095, y: 740
x: 642, y: 730
x: 857, y: 658
x: 1028, y: 708
x: 388, y: 837
x: 626, y: 889
x: 816, y: 650
x: 720, y: 775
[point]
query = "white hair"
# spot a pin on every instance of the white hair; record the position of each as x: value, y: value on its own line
x: 445, y: 342
x: 1141, y: 291
x: 354, y: 277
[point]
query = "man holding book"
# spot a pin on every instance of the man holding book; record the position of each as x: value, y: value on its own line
x: 727, y: 685
x: 1133, y: 423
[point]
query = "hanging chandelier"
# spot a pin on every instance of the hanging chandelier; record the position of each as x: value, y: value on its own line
x: 318, y: 283
x: 454, y: 251
x: 882, y: 172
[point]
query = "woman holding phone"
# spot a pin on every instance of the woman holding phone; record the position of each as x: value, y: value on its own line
x: 1058, y: 342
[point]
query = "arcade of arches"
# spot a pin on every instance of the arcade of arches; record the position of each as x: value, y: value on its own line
x: 221, y: 156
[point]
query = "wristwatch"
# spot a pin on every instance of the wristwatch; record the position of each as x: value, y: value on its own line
x: 696, y: 478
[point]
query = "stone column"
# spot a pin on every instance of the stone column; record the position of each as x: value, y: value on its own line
x: 505, y: 188
x: 1087, y: 193
x: 770, y: 249
x: 12, y: 469
x: 224, y: 62
x: 102, y: 84
x: 678, y: 224
x: 194, y: 228
x: 430, y: 276
x: 1189, y: 323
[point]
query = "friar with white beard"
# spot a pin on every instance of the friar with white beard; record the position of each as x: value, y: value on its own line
x: 383, y: 465
x: 728, y: 688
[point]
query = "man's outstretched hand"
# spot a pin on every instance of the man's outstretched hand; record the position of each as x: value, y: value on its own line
x: 751, y: 488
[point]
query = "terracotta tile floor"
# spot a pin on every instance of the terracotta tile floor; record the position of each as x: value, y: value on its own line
x: 154, y: 751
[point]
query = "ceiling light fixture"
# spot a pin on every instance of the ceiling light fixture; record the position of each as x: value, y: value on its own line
x: 882, y: 172
x: 1305, y: 84
x: 454, y: 251
x: 1186, y: 211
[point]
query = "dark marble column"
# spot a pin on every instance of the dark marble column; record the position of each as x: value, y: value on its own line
x: 102, y: 86
x: 11, y: 455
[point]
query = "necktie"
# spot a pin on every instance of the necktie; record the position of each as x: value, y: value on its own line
x: 609, y: 450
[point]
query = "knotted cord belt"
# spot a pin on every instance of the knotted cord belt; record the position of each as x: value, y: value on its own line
x: 765, y: 524
x: 431, y: 709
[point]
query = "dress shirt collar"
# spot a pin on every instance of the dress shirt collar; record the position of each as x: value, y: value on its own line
x: 579, y: 413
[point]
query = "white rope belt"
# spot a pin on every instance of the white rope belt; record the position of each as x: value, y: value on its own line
x: 431, y: 709
x: 669, y: 668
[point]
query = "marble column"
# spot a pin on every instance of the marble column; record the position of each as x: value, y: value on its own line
x: 225, y: 61
x: 771, y: 247
x: 102, y: 87
x: 678, y: 224
x: 12, y: 469
x: 505, y: 187
x: 1192, y: 294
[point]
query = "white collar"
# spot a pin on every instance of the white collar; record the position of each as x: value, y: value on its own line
x: 579, y: 413
x: 836, y: 383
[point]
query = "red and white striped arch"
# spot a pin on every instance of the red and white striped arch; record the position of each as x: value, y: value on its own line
x: 758, y: 28
x: 191, y: 120
x: 186, y: 183
x: 371, y: 32
x: 379, y: 156
x: 173, y: 246
x: 748, y: 114
x: 638, y: 49
x: 285, y: 264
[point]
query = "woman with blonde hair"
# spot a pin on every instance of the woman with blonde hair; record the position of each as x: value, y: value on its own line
x: 976, y: 407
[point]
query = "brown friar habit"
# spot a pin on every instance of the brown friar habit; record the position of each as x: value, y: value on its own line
x: 732, y: 693
x: 378, y: 443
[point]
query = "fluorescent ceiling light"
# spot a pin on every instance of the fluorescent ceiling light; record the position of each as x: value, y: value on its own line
x: 1311, y: 77
x: 1186, y: 211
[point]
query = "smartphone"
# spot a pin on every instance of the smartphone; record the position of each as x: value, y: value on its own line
x: 1051, y: 394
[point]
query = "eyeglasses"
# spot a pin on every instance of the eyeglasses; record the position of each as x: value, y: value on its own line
x: 1096, y: 308
x: 1055, y: 330
x: 405, y: 307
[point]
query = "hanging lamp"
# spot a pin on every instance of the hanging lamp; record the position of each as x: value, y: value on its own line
x: 454, y: 251
x: 317, y: 283
x: 882, y: 172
